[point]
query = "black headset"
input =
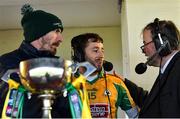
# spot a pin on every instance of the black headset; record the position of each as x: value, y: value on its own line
x: 161, y: 40
x: 77, y: 53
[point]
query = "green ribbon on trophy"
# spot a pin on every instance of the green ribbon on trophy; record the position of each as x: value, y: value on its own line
x: 75, y: 102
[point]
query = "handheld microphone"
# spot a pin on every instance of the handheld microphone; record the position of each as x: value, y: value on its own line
x: 108, y: 66
x: 142, y: 67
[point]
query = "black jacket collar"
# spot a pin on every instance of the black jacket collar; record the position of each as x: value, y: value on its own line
x: 32, y: 52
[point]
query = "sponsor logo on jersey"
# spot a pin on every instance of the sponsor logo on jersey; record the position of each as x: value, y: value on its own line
x: 99, y: 110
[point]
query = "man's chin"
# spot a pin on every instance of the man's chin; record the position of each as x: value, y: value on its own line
x: 99, y: 67
x: 152, y: 64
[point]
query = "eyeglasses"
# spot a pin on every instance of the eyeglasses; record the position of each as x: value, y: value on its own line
x: 142, y: 47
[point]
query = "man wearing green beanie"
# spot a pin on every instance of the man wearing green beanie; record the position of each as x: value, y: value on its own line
x: 42, y: 36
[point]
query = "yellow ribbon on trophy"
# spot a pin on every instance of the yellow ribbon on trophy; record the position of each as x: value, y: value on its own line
x: 14, y: 101
x: 79, y: 84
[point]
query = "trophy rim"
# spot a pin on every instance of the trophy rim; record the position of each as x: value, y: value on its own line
x: 49, y: 85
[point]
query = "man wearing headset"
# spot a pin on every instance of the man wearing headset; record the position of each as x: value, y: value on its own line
x: 161, y: 40
x: 106, y: 92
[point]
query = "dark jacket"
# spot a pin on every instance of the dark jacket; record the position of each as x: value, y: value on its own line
x: 164, y: 97
x: 33, y: 106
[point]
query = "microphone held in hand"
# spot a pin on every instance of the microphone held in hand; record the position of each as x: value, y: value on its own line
x: 108, y: 66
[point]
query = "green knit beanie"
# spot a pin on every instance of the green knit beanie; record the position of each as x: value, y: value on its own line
x: 38, y: 23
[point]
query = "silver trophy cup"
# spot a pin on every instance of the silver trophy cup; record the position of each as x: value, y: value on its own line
x: 46, y: 77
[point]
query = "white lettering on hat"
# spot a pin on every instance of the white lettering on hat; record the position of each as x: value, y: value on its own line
x: 57, y: 24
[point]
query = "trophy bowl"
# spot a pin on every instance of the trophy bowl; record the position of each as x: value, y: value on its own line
x: 39, y: 75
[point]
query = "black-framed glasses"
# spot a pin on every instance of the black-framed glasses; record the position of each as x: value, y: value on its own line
x: 142, y: 47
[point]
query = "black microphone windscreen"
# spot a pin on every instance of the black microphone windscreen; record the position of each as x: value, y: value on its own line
x: 141, y: 68
x: 108, y: 66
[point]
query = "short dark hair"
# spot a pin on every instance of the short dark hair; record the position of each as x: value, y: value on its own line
x: 79, y: 43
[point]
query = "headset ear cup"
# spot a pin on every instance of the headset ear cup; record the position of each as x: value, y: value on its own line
x: 156, y: 42
x: 77, y: 56
x: 167, y: 48
x: 161, y: 40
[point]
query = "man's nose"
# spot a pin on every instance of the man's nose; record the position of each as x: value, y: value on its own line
x: 101, y: 54
x: 60, y: 37
x: 143, y: 51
